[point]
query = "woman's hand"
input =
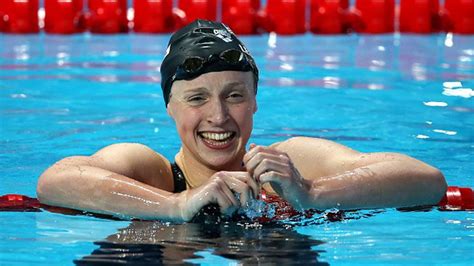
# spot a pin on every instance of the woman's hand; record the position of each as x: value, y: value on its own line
x: 221, y: 188
x: 268, y: 165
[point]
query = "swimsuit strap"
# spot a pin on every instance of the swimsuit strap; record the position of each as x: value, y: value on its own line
x: 179, y: 178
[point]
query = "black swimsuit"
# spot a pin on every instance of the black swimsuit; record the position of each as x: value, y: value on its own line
x: 179, y: 179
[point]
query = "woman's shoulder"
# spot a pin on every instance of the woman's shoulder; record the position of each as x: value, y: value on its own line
x: 315, y: 148
x: 305, y: 151
x: 304, y: 142
x: 305, y: 147
x: 135, y: 150
x: 144, y: 163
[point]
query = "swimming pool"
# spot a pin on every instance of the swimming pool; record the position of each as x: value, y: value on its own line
x: 66, y: 95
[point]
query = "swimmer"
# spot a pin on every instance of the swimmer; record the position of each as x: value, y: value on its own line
x: 209, y: 83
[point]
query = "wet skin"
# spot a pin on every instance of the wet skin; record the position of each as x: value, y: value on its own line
x: 214, y: 118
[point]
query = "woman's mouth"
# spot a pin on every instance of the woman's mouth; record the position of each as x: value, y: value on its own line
x: 217, y: 140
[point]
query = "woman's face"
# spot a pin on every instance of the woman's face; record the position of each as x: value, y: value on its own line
x: 214, y: 116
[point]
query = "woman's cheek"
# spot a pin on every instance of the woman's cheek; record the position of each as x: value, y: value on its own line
x: 187, y: 120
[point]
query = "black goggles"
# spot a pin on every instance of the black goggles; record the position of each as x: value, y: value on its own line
x: 194, y: 65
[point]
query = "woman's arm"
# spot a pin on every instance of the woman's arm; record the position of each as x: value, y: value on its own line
x: 131, y: 180
x: 121, y: 179
x: 321, y: 174
x: 380, y: 180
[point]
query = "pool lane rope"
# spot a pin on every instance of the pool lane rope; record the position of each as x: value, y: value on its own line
x: 455, y: 199
x: 244, y: 17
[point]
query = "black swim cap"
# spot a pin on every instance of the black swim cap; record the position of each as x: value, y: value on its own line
x: 202, y: 47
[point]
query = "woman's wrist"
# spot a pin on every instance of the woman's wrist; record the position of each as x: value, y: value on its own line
x: 178, y: 210
x: 299, y: 194
x: 316, y: 198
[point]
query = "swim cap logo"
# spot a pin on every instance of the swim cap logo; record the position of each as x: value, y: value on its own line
x: 223, y: 35
x: 244, y: 49
x: 228, y: 29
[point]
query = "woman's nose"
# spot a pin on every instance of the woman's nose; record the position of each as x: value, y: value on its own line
x: 218, y: 112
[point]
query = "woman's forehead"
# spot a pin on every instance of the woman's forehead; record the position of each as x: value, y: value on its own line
x: 216, y: 80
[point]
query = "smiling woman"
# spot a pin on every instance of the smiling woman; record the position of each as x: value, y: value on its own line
x: 213, y: 115
x: 209, y: 84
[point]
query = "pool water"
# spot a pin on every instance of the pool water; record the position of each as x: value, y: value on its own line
x: 71, y: 95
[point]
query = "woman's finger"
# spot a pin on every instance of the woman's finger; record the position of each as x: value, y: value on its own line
x: 259, y: 148
x: 237, y: 182
x: 253, y: 162
x: 252, y: 152
x: 224, y: 203
x: 253, y: 185
x: 225, y: 191
x: 195, y: 199
x: 249, y: 182
x: 269, y: 165
x: 271, y: 176
x: 252, y: 145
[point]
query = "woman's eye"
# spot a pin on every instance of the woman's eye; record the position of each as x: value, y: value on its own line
x: 235, y: 96
x: 196, y: 99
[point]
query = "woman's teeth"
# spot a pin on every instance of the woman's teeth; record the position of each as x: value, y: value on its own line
x: 216, y: 136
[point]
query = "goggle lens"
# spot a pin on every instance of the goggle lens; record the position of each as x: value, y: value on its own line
x: 194, y: 64
x: 232, y: 57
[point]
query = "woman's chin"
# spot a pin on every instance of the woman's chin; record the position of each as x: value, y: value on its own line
x: 223, y: 163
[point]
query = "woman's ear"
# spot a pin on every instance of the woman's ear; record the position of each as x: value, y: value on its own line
x: 169, y: 111
x: 255, y: 107
x: 168, y: 108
